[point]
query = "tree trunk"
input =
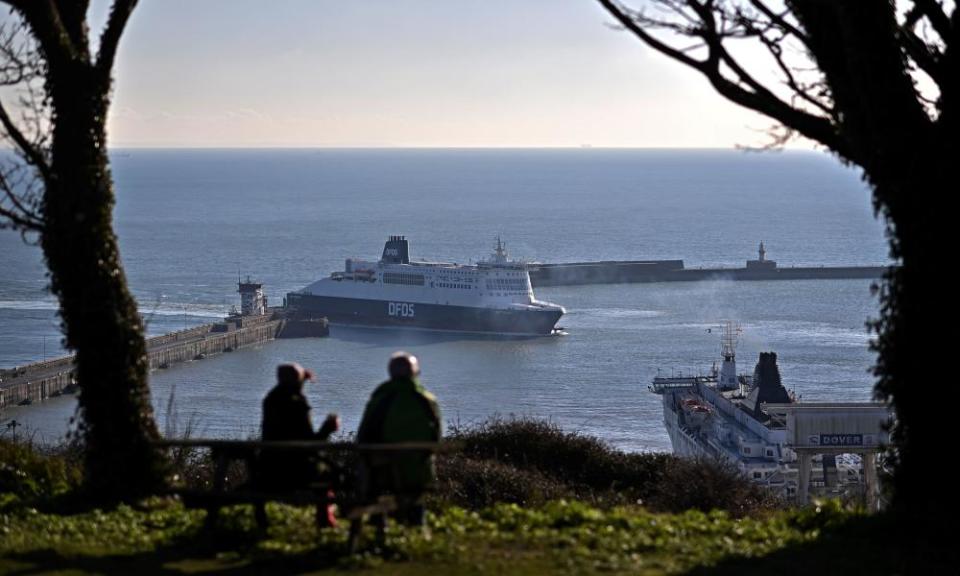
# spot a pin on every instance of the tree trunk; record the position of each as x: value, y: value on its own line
x: 915, y: 363
x: 100, y: 318
x: 906, y: 159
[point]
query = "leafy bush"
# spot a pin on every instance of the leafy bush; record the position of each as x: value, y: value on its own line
x: 29, y: 474
x: 703, y: 484
x: 478, y: 483
x: 530, y: 461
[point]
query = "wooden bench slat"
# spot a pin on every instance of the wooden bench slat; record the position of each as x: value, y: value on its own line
x: 303, y: 445
x: 203, y: 498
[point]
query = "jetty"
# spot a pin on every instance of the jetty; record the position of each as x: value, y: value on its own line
x: 254, y: 324
x: 630, y: 271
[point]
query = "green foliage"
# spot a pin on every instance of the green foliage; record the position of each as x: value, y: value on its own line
x: 477, y: 483
x: 29, y: 475
x: 706, y: 485
x: 560, y: 536
x: 529, y: 462
x: 121, y: 531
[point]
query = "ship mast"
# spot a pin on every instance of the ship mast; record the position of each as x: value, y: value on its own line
x: 728, y: 346
x: 500, y: 252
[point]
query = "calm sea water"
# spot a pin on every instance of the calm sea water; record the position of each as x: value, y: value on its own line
x: 189, y: 221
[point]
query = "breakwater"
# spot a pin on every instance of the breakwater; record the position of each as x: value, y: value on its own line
x: 621, y: 272
x: 41, y: 380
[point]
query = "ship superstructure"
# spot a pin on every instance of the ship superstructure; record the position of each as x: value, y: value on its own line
x: 755, y: 423
x: 493, y: 296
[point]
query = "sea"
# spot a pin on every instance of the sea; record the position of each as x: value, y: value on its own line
x: 191, y: 221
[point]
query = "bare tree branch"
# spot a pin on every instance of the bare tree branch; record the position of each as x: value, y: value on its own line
x: 628, y: 19
x: 28, y: 167
x: 13, y: 206
x: 73, y: 17
x: 780, y: 20
x: 927, y: 57
x: 13, y: 220
x: 774, y: 32
x: 18, y: 55
x: 934, y: 12
x: 110, y: 38
x: 714, y: 25
x: 31, y: 153
x: 43, y: 17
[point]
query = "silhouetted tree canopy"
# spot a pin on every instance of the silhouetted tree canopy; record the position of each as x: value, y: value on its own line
x: 876, y: 83
x: 57, y: 187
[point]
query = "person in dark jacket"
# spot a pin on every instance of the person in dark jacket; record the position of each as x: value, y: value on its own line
x: 286, y: 416
x: 401, y: 410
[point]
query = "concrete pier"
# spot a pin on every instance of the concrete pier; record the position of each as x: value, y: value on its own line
x: 210, y: 339
x: 41, y: 380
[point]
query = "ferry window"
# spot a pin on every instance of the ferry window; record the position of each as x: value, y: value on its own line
x: 402, y: 278
x: 746, y: 449
x: 769, y: 452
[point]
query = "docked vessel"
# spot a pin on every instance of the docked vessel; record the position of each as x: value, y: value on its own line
x: 755, y: 423
x: 494, y: 296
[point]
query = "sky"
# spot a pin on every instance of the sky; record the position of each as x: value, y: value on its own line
x: 404, y: 73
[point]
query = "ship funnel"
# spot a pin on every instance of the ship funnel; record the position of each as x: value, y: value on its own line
x: 396, y: 250
x: 767, y: 387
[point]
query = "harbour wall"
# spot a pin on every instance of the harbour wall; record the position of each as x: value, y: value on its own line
x: 211, y: 342
x: 622, y: 272
x: 41, y: 380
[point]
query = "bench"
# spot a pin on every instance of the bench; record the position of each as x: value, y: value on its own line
x: 338, y: 485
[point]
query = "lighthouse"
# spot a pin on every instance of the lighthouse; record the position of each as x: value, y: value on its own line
x: 252, y: 300
x: 762, y: 263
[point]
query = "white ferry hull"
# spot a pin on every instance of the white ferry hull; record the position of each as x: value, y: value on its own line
x: 684, y: 445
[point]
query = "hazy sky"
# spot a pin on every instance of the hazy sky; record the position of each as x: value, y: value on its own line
x: 405, y: 73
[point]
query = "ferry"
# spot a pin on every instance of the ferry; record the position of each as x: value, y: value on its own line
x: 755, y: 423
x: 493, y: 296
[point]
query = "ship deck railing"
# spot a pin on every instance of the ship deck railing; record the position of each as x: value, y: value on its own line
x: 662, y: 384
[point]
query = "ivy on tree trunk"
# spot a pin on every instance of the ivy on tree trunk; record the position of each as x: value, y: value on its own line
x: 74, y: 219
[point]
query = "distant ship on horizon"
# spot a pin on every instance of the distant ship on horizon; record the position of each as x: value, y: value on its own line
x: 492, y: 297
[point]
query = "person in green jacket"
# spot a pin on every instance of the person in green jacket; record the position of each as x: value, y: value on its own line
x: 401, y: 410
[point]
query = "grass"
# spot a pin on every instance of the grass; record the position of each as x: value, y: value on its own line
x: 559, y: 537
x: 520, y: 497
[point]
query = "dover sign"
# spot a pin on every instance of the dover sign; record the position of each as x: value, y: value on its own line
x: 841, y: 440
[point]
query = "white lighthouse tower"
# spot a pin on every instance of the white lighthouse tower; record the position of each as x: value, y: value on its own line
x: 762, y: 263
x: 252, y: 300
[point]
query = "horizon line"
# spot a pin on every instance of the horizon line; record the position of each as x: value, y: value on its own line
x: 478, y: 148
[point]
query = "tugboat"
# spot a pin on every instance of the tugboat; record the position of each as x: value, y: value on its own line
x: 752, y: 422
x: 492, y: 297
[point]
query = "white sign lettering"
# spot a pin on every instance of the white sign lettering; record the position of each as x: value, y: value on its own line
x: 401, y: 309
x: 392, y: 252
